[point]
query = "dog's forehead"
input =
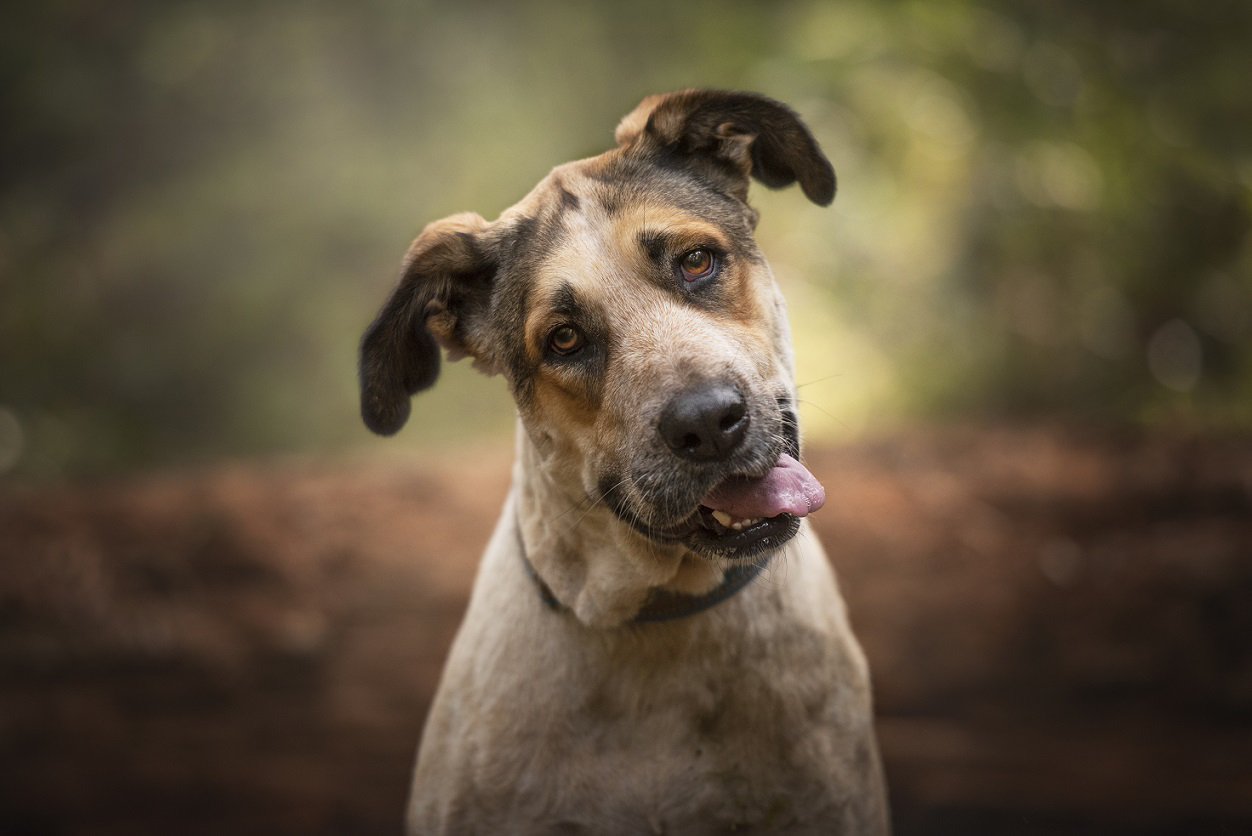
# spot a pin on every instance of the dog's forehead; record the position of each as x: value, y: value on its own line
x: 587, y: 212
x: 601, y: 187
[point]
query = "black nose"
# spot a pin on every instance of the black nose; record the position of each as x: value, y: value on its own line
x: 705, y: 423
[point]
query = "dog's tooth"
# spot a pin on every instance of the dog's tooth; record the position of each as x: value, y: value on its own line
x: 738, y: 526
x: 723, y: 518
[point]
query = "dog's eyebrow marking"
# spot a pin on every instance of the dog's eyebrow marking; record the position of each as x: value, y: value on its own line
x: 512, y: 237
x: 562, y: 305
x: 653, y: 243
x: 569, y: 200
x: 565, y: 302
x: 665, y: 240
x: 581, y: 378
x: 656, y: 241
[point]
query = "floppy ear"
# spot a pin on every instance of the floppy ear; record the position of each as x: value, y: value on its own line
x: 742, y: 134
x: 442, y: 298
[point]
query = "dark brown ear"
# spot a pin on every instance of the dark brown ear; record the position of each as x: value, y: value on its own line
x: 444, y: 290
x: 742, y: 133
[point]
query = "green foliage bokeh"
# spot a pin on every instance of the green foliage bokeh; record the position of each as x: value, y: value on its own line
x: 1043, y: 207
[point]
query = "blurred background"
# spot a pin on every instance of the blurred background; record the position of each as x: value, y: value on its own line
x: 1043, y: 206
x: 1024, y: 333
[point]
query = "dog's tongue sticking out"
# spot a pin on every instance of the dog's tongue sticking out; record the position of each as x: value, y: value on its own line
x: 788, y: 489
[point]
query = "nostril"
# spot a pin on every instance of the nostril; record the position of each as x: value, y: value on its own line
x: 732, y: 417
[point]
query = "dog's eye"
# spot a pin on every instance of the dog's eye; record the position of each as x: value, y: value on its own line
x: 697, y: 264
x: 566, y: 340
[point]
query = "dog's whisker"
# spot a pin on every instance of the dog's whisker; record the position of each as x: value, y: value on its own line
x: 820, y: 380
x: 824, y: 412
x: 586, y: 500
x: 593, y: 503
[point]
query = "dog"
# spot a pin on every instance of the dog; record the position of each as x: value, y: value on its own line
x: 655, y: 642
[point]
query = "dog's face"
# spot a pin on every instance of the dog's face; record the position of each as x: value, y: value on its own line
x: 636, y: 321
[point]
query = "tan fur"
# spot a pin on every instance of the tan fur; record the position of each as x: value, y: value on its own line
x: 753, y: 716
x: 665, y: 728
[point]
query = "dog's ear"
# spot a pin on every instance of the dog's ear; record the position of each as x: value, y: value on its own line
x: 742, y: 134
x: 443, y: 297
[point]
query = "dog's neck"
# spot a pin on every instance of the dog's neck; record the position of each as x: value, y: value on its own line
x: 598, y: 567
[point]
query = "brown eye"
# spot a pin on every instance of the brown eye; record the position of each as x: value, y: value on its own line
x: 696, y: 264
x: 566, y: 340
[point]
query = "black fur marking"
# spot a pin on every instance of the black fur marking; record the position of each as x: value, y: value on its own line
x: 664, y: 251
x: 565, y: 303
x: 713, y: 125
x: 612, y: 205
x: 569, y: 201
x: 591, y: 363
x: 790, y: 428
x: 511, y: 301
x: 655, y: 245
x: 509, y: 323
x: 511, y: 240
x: 399, y: 357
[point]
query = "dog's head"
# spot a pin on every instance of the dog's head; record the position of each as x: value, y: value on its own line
x: 636, y: 321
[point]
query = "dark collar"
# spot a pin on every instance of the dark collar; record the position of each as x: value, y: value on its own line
x: 661, y: 604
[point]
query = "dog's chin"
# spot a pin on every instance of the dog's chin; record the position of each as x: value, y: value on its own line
x: 710, y: 538
x: 743, y: 539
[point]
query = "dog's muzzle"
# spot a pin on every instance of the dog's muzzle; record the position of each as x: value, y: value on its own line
x: 750, y: 500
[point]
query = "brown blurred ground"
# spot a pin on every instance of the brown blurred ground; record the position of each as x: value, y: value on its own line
x: 1059, y: 625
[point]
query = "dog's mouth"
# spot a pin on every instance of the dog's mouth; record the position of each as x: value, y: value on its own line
x: 742, y: 517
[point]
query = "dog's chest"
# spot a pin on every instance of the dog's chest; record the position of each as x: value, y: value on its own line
x: 728, y: 740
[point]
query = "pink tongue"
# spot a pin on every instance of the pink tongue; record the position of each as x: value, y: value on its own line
x: 788, y: 489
